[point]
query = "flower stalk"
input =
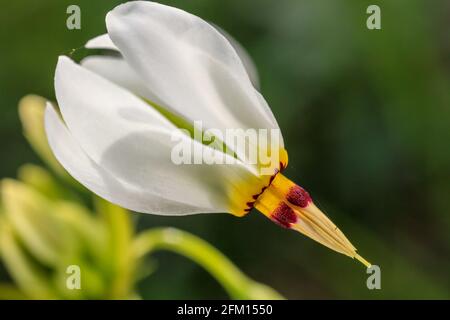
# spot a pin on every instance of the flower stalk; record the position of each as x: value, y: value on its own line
x: 237, y: 285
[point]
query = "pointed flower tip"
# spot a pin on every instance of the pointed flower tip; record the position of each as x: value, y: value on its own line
x: 362, y: 260
x: 290, y: 206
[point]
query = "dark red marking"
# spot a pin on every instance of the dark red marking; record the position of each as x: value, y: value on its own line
x: 256, y: 196
x: 298, y: 196
x: 273, y: 177
x: 284, y: 216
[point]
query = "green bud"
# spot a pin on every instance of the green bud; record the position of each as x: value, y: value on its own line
x: 31, y: 113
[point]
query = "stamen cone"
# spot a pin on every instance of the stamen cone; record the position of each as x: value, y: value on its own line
x: 363, y: 261
x: 290, y: 206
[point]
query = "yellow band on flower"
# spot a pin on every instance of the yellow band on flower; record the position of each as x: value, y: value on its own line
x: 290, y: 206
x: 246, y: 189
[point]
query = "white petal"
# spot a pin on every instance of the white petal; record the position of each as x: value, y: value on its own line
x: 118, y: 71
x: 100, y: 181
x: 99, y: 112
x: 104, y: 42
x: 101, y: 42
x: 188, y: 64
x: 115, y: 68
x: 247, y: 61
x: 132, y: 141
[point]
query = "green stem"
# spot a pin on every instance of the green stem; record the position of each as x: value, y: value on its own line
x: 237, y: 284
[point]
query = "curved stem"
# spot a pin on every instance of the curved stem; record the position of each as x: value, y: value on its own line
x: 237, y: 284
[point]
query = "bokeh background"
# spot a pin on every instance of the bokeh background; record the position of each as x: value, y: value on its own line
x: 365, y: 116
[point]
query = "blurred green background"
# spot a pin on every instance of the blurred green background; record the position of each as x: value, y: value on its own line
x: 366, y: 120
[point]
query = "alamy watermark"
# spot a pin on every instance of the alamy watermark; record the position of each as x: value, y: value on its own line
x: 374, y: 280
x: 73, y: 21
x: 259, y: 147
x: 374, y: 20
x: 73, y: 280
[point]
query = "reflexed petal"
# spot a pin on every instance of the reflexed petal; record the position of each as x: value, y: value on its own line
x: 133, y: 142
x: 104, y: 42
x: 100, y: 113
x: 188, y: 64
x: 247, y: 61
x: 101, y: 42
x: 104, y: 184
x: 118, y: 71
x: 115, y: 68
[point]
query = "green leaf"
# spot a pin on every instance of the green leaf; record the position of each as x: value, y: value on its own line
x: 10, y: 292
x: 91, y: 234
x: 37, y: 225
x: 25, y: 273
x: 31, y: 113
x: 41, y: 180
x: 120, y: 234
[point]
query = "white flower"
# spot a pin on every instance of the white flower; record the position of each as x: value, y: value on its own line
x: 119, y: 114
